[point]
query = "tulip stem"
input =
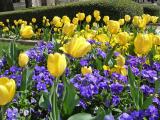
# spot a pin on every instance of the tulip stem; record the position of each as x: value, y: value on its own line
x: 2, y: 113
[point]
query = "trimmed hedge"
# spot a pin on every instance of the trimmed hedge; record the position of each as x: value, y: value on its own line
x: 114, y: 8
x: 151, y: 9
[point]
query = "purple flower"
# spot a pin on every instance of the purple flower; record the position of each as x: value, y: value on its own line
x: 115, y: 100
x: 150, y: 75
x: 12, y: 113
x: 147, y: 90
x: 152, y: 113
x: 84, y: 62
x: 116, y: 88
x: 109, y: 117
x: 125, y: 116
x: 101, y: 53
x: 137, y: 115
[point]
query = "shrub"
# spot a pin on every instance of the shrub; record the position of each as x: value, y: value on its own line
x: 151, y: 9
x: 114, y: 8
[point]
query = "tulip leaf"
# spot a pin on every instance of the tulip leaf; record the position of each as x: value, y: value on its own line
x: 100, y: 114
x: 147, y: 102
x: 44, y: 100
x: 71, y: 99
x: 55, y: 113
x: 26, y: 79
x: 82, y: 116
x: 157, y: 86
x: 109, y: 56
x: 133, y: 89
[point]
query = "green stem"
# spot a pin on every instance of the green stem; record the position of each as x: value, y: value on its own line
x: 2, y: 113
x: 53, y: 100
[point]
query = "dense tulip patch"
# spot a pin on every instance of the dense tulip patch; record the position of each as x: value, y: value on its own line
x: 84, y: 69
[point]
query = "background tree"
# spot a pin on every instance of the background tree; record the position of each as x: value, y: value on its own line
x: 28, y: 3
x: 6, y: 5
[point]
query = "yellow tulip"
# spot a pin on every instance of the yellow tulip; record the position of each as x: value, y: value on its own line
x: 127, y: 18
x: 135, y: 20
x: 26, y: 31
x: 122, y: 38
x: 121, y: 21
x: 88, y: 18
x: 98, y: 18
x: 154, y: 19
x: 146, y: 17
x: 80, y: 16
x: 86, y: 70
x: 56, y: 19
x: 142, y: 44
x: 113, y: 26
x: 65, y: 19
x: 156, y: 40
x: 77, y: 47
x: 106, y: 67
x: 23, y: 59
x: 7, y: 90
x: 96, y: 13
x: 75, y: 21
x: 120, y: 61
x: 34, y: 20
x: 102, y: 38
x: 87, y: 27
x: 56, y: 64
x: 106, y: 19
x: 142, y: 23
x: 68, y: 29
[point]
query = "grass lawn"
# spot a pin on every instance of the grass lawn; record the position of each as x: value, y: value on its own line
x: 5, y: 46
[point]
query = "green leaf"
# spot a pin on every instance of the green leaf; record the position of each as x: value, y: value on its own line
x: 71, y: 99
x: 82, y: 116
x: 99, y: 64
x: 133, y: 88
x: 147, y: 102
x: 44, y: 100
x: 109, y: 56
x: 100, y: 114
x: 55, y: 113
x: 26, y: 83
x: 157, y: 86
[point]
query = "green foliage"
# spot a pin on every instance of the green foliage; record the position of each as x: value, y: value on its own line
x: 151, y: 9
x: 114, y: 8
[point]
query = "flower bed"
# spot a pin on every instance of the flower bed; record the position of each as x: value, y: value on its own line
x: 83, y: 70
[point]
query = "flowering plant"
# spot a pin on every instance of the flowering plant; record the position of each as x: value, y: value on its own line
x: 84, y: 70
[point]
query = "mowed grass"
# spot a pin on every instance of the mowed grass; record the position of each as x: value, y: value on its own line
x: 5, y: 46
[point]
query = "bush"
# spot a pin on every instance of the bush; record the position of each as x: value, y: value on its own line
x: 151, y: 9
x: 114, y: 8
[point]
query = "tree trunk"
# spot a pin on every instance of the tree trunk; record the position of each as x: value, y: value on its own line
x: 28, y: 3
x: 6, y: 5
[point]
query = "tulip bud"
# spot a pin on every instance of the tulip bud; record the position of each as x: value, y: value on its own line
x: 156, y: 39
x: 80, y: 16
x: 135, y: 20
x: 127, y: 18
x: 68, y: 29
x: 121, y: 21
x: 56, y: 64
x: 142, y: 44
x: 113, y: 26
x: 154, y: 19
x: 88, y: 18
x: 7, y: 90
x: 86, y: 70
x: 96, y: 13
x: 75, y: 21
x: 26, y: 31
x: 23, y: 59
x: 106, y: 19
x: 77, y: 47
x: 65, y: 19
